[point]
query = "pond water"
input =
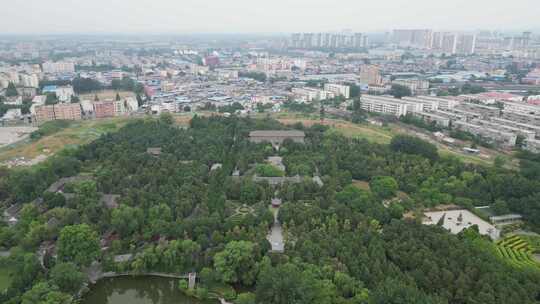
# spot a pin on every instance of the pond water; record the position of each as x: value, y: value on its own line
x: 138, y: 290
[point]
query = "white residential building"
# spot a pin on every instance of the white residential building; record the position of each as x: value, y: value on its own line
x: 443, y: 103
x: 427, y: 105
x: 199, y: 69
x: 4, y: 81
x: 504, y: 138
x: 131, y: 104
x: 58, y: 67
x: 439, y: 120
x: 310, y: 94
x: 64, y: 93
x: 326, y: 95
x: 338, y: 89
x: 521, y: 108
x: 29, y: 81
x: 119, y: 108
x: 39, y: 99
x: 87, y: 106
x: 306, y: 94
x: 14, y: 101
x: 415, y: 85
x: 383, y: 105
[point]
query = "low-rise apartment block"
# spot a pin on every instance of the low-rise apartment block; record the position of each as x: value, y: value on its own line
x: 453, y: 116
x: 384, y: 105
x: 427, y: 105
x: 306, y: 94
x: 417, y: 86
x: 310, y: 94
x: 119, y: 108
x: 63, y: 93
x: 338, y: 89
x: 521, y: 108
x: 532, y: 145
x: 443, y: 103
x: 498, y: 126
x: 497, y: 136
x: 68, y: 111
x: 484, y: 111
x: 413, y: 107
x: 521, y: 118
x: 44, y: 113
x: 516, y: 124
x: 439, y: 120
x: 103, y: 109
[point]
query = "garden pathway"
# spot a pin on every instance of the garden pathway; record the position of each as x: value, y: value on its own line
x: 276, y: 235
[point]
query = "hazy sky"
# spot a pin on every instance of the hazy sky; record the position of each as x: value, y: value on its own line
x: 257, y: 16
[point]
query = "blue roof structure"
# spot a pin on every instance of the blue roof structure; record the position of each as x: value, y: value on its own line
x: 49, y: 89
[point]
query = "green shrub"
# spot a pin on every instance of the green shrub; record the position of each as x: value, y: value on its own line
x: 268, y: 171
x: 201, y: 293
x: 50, y: 128
x: 229, y: 295
x: 183, y: 284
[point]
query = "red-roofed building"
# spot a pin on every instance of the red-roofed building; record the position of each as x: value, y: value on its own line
x: 211, y: 60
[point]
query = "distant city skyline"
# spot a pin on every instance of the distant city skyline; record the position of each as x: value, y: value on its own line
x: 277, y: 16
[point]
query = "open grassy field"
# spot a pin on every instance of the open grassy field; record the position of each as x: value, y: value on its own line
x: 361, y: 185
x: 80, y: 132
x: 106, y: 94
x: 383, y: 135
x: 469, y: 158
x: 85, y: 131
x: 183, y: 119
x: 375, y: 134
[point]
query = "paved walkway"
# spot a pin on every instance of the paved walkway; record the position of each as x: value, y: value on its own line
x: 275, y: 237
x: 95, y: 273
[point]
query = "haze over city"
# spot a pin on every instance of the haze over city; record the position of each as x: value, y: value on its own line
x: 244, y: 16
x: 269, y: 152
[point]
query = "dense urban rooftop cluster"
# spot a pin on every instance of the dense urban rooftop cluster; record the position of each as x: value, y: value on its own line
x: 486, y: 84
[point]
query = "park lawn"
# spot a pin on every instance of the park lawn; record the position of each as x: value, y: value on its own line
x: 361, y: 185
x: 511, y: 163
x: 81, y: 132
x: 374, y: 134
x: 183, y: 119
x: 369, y: 133
x: 443, y: 151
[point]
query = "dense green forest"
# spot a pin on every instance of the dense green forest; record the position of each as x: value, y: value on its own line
x: 343, y: 244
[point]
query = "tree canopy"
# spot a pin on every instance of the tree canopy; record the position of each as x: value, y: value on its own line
x: 78, y: 244
x: 399, y: 91
x: 345, y: 242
